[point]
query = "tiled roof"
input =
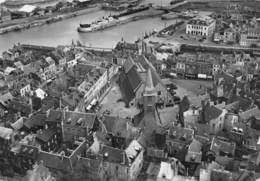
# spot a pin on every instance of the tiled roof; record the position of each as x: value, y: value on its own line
x: 134, y: 79
x: 46, y: 134
x: 211, y: 112
x: 74, y: 117
x: 218, y: 145
x: 113, y: 155
x: 125, y: 88
x: 128, y: 64
x: 37, y: 119
x: 195, y: 146
x: 177, y: 133
x: 115, y: 125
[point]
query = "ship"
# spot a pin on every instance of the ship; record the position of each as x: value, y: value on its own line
x: 101, y: 24
x: 111, y: 20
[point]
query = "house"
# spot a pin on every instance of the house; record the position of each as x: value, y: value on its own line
x: 214, y: 116
x: 167, y: 171
x: 191, y: 116
x: 250, y: 37
x: 119, y: 130
x: 201, y: 26
x: 222, y: 150
x: 220, y: 174
x: 5, y: 15
x: 47, y: 138
x: 225, y: 36
x: 194, y: 154
x: 123, y: 164
x: 177, y: 140
x: 77, y: 124
x: 6, y: 139
x: 205, y: 173
x: 39, y: 173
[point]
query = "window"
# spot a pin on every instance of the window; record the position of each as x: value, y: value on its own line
x: 159, y: 93
x: 213, y: 125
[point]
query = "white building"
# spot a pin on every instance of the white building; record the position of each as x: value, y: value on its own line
x: 201, y: 26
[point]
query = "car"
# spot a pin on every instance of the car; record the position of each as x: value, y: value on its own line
x: 176, y: 99
x: 171, y: 86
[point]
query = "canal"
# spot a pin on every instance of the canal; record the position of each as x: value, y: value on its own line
x: 63, y: 32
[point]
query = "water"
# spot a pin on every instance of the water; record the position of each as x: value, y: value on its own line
x: 63, y: 32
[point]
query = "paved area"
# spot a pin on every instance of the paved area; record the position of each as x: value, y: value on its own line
x: 194, y: 89
x: 117, y: 108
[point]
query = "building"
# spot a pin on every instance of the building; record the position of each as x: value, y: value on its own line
x: 213, y: 116
x: 177, y: 140
x: 222, y: 150
x: 191, y: 116
x: 250, y: 37
x: 5, y: 15
x: 6, y: 138
x: 225, y: 36
x: 96, y: 83
x: 194, y: 154
x: 123, y: 164
x: 202, y: 26
x: 220, y: 174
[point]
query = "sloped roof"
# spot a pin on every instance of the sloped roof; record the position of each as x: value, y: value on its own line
x: 37, y: 119
x: 149, y: 86
x: 115, y: 125
x: 128, y: 64
x: 195, y: 146
x: 211, y: 112
x: 5, y: 133
x: 134, y: 78
x: 46, y: 134
x: 113, y: 155
x: 126, y: 89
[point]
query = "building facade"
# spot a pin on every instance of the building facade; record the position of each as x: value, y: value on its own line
x: 201, y: 26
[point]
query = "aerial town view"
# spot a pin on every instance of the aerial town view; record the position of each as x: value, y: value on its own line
x: 129, y: 90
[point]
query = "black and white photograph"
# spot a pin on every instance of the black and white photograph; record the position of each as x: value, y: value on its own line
x: 129, y: 90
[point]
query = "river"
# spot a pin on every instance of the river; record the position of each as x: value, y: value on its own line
x: 63, y: 32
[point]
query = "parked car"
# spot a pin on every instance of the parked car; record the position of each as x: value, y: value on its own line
x: 176, y: 99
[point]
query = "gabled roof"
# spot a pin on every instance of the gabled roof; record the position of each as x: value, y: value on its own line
x: 195, y: 146
x: 115, y: 125
x: 149, y: 86
x: 211, y: 112
x: 5, y: 133
x: 113, y: 155
x: 218, y: 145
x: 46, y: 134
x: 125, y: 87
x: 37, y: 119
x: 128, y: 64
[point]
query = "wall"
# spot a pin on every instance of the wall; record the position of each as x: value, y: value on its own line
x: 55, y: 161
x: 136, y: 166
x: 217, y: 124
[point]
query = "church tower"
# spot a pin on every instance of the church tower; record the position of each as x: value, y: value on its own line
x: 149, y: 94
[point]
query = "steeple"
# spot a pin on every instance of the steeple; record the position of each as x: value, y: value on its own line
x: 149, y: 87
x: 150, y: 94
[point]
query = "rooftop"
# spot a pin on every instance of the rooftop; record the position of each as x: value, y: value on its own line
x: 220, y: 145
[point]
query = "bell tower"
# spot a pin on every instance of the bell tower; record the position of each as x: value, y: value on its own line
x: 149, y: 94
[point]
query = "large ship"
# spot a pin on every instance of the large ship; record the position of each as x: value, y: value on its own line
x: 111, y: 20
x: 99, y: 25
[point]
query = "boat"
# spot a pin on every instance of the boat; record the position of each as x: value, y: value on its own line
x: 99, y: 25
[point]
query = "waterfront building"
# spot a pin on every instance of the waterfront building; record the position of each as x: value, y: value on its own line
x: 5, y: 15
x: 202, y: 26
x: 250, y: 37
